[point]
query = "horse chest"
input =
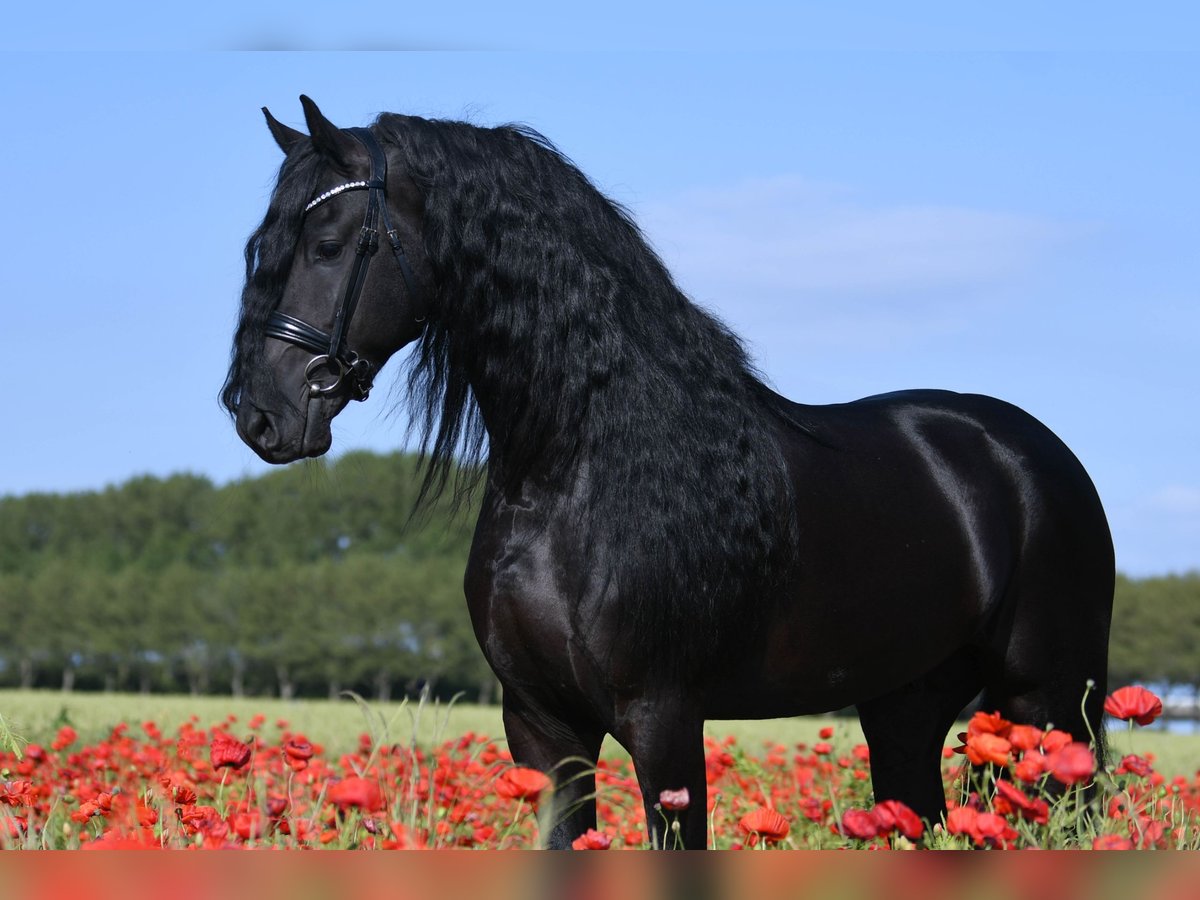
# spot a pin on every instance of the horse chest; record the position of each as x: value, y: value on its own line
x: 517, y: 584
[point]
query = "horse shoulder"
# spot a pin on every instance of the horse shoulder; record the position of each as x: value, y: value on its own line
x: 525, y: 587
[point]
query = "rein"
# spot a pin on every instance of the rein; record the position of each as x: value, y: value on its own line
x: 336, y: 364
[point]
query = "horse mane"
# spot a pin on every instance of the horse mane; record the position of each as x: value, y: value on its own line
x: 559, y: 344
x: 558, y: 326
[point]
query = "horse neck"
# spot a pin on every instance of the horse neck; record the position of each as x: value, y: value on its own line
x: 524, y: 444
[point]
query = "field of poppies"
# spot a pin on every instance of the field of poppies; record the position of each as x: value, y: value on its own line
x: 261, y: 783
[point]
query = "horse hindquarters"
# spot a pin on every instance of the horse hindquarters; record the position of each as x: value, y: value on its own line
x: 1050, y: 559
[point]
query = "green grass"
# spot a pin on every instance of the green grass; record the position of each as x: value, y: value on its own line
x: 1174, y: 754
x: 36, y: 715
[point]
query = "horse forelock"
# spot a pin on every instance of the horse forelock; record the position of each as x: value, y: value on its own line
x: 268, y: 256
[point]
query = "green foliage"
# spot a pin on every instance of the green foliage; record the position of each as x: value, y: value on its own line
x: 313, y: 579
x: 1156, y: 630
x: 308, y: 580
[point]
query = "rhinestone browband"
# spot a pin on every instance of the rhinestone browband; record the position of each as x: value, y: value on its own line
x: 334, y: 191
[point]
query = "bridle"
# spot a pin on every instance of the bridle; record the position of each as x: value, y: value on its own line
x: 334, y: 360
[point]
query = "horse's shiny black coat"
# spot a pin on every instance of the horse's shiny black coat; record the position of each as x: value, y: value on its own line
x: 663, y: 539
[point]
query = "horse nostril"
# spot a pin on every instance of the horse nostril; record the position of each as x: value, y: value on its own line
x: 257, y: 428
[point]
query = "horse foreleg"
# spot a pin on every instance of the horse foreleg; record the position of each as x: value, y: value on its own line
x: 667, y: 747
x: 565, y: 751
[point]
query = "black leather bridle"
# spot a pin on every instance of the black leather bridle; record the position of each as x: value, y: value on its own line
x: 334, y: 360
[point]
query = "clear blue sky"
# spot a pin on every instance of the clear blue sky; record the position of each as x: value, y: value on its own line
x: 978, y: 205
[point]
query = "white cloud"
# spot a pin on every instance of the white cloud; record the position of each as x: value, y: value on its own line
x: 1176, y: 499
x: 790, y: 236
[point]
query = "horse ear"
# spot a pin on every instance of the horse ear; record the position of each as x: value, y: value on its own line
x: 330, y: 141
x: 285, y: 137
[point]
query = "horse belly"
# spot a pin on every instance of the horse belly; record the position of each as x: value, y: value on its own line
x: 846, y: 646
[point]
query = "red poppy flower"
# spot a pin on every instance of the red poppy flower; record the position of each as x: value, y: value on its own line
x: 199, y: 818
x: 765, y: 823
x: 65, y: 738
x: 860, y: 824
x: 1031, y: 766
x: 674, y: 800
x: 276, y: 804
x: 355, y: 791
x: 1134, y: 765
x: 961, y: 820
x: 298, y: 748
x: 1072, y: 763
x: 981, y: 827
x: 247, y: 824
x: 15, y: 827
x: 180, y: 792
x: 1024, y: 737
x: 1112, y: 842
x: 17, y: 793
x: 1054, y: 740
x: 825, y: 733
x: 228, y: 751
x: 1146, y: 833
x: 988, y: 747
x: 892, y: 814
x: 592, y: 840
x: 1133, y: 702
x: 1010, y: 798
x: 994, y: 830
x: 297, y: 752
x: 86, y: 810
x: 988, y: 723
x: 520, y: 783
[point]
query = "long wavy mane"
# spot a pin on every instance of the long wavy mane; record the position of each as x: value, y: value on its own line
x: 559, y: 345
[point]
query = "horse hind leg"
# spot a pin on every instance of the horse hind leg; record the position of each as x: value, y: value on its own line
x: 1061, y: 686
x: 1066, y: 693
x: 1048, y: 647
x: 906, y: 730
x: 1049, y: 660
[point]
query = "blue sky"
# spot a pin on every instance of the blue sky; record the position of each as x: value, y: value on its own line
x: 907, y: 209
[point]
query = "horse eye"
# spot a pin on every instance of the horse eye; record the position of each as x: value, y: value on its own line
x: 327, y: 250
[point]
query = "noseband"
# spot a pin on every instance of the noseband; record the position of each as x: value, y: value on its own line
x: 336, y: 364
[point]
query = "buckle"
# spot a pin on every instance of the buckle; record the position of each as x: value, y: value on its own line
x: 352, y: 367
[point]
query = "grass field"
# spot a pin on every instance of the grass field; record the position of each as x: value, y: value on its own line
x: 36, y: 715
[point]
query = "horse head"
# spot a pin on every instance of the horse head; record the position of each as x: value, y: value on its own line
x: 318, y: 319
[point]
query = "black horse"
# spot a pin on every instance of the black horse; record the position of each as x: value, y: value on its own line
x: 662, y: 538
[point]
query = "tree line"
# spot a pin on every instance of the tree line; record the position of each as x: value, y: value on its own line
x: 308, y: 580
x: 314, y: 579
